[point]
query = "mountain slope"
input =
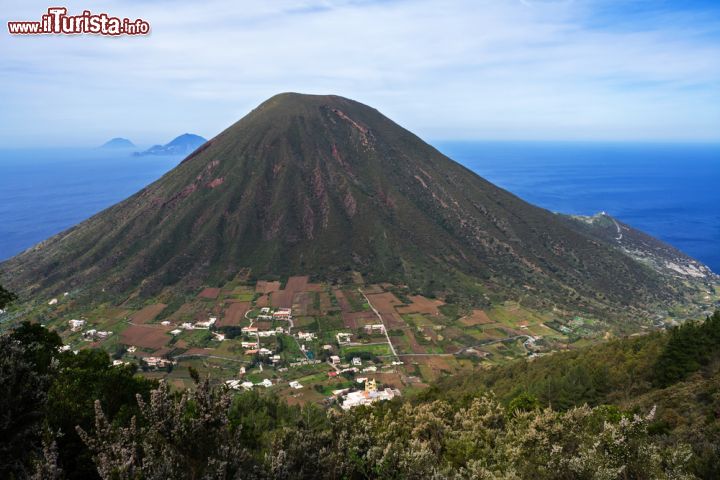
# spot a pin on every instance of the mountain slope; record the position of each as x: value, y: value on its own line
x: 640, y: 246
x: 323, y: 185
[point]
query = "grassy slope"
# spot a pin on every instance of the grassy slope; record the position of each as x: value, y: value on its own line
x: 630, y: 373
x: 323, y: 185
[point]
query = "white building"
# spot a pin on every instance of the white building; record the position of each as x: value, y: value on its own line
x: 376, y: 328
x: 343, y: 337
x: 76, y: 325
x: 296, y: 385
x: 283, y: 314
x: 368, y: 396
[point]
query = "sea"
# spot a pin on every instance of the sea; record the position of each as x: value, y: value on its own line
x: 671, y: 191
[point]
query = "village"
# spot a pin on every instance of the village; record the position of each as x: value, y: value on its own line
x: 341, y: 345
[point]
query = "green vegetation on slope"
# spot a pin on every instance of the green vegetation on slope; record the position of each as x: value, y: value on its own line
x: 325, y: 186
x: 608, y: 420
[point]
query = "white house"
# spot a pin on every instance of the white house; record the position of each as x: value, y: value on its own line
x: 296, y: 385
x: 76, y: 325
x: 343, y: 337
x: 283, y: 314
x: 306, y: 335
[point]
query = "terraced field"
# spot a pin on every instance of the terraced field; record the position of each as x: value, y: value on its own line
x: 399, y: 337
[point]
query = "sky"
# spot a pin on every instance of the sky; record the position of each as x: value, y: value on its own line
x: 583, y: 70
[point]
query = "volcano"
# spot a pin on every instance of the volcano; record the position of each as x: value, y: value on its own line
x: 327, y: 186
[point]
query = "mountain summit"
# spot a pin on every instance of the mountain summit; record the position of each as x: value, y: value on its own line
x: 326, y: 186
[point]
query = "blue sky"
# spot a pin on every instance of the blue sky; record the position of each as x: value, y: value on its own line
x: 626, y: 70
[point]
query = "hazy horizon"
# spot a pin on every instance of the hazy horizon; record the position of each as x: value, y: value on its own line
x: 519, y: 70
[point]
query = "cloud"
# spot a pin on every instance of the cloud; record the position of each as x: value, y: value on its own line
x: 468, y: 69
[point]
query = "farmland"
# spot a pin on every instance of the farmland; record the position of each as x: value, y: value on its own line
x: 318, y: 334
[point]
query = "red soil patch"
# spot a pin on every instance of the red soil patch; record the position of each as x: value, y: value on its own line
x: 263, y: 325
x: 284, y: 298
x: 234, y: 314
x: 357, y: 320
x: 344, y: 303
x: 389, y: 379
x: 304, y: 303
x: 210, y: 293
x: 147, y: 314
x: 385, y: 304
x: 145, y: 336
x: 325, y: 303
x: 477, y: 317
x: 421, y: 304
x: 262, y: 301
x: 266, y: 287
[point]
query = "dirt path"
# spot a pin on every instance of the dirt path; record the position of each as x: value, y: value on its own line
x: 392, y: 347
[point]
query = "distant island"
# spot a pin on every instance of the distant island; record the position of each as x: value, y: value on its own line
x: 185, y: 144
x: 117, y: 143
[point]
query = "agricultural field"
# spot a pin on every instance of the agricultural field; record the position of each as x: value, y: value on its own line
x: 271, y: 334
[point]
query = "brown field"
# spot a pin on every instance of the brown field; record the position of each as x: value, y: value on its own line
x: 325, y: 303
x: 267, y: 287
x: 234, y: 314
x: 342, y: 301
x: 262, y: 301
x: 477, y: 317
x: 357, y: 320
x: 209, y: 293
x: 389, y: 379
x: 385, y: 303
x: 303, y: 304
x: 284, y: 298
x: 145, y: 336
x: 263, y: 325
x: 421, y: 304
x: 147, y: 314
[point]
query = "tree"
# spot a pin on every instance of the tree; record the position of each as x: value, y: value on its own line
x: 27, y: 370
x: 80, y: 381
x: 6, y: 297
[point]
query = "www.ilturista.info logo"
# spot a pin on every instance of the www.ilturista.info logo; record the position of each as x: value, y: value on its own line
x: 57, y: 21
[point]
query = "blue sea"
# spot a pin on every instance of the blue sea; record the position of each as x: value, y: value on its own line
x: 671, y: 191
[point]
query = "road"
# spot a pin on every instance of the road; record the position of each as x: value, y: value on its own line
x: 392, y: 348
